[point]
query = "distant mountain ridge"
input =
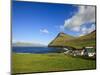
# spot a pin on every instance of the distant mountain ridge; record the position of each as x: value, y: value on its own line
x: 25, y: 44
x: 64, y: 40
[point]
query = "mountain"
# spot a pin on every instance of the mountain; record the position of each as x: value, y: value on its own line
x: 64, y: 40
x: 26, y: 44
x: 60, y: 39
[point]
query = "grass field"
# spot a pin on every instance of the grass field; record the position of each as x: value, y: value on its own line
x: 25, y: 63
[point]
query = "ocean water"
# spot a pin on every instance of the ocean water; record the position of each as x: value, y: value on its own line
x: 35, y: 50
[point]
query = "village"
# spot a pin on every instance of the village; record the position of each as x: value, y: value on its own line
x: 89, y: 51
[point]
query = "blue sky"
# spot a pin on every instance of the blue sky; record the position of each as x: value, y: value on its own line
x: 41, y: 22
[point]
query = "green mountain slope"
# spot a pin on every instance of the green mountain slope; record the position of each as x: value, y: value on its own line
x: 60, y: 39
x: 66, y: 40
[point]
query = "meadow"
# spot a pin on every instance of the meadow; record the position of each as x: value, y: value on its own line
x: 33, y: 63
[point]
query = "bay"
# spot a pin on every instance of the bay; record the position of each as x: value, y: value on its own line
x: 35, y: 50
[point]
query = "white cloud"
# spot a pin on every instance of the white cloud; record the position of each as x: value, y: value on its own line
x: 77, y: 28
x: 85, y: 30
x: 85, y: 14
x: 44, y: 31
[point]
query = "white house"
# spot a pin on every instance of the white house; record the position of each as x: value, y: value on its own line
x: 89, y: 51
x: 66, y: 49
x: 78, y: 52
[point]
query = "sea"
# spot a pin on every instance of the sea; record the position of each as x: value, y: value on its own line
x: 36, y: 50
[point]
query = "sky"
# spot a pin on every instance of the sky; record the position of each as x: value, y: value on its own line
x: 41, y: 22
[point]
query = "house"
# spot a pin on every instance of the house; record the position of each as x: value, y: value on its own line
x: 68, y: 50
x: 78, y: 52
x: 89, y: 51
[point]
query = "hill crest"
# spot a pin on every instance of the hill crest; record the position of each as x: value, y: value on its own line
x: 64, y: 40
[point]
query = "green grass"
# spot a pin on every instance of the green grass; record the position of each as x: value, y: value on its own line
x: 23, y: 63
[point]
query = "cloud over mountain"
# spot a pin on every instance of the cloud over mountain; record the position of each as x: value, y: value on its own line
x: 85, y: 15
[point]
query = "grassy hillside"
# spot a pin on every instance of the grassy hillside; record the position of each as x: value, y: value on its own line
x: 79, y: 42
x: 60, y: 39
x: 30, y: 63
